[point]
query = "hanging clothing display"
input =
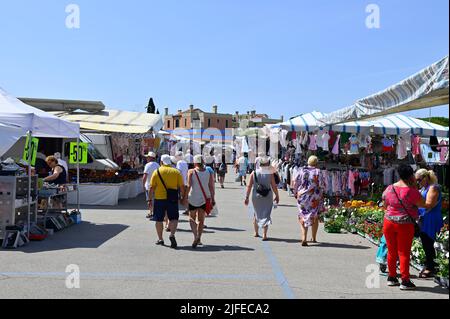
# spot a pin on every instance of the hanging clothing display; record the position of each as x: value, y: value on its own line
x: 298, y: 145
x: 283, y: 138
x: 443, y: 151
x: 354, y: 144
x: 336, y: 182
x: 388, y: 144
x: 313, y: 142
x: 335, y: 150
x: 402, y: 151
x: 325, y: 142
x: 434, y: 143
x: 415, y: 147
x: 319, y: 140
x: 429, y: 155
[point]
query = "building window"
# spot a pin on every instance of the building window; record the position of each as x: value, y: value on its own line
x: 226, y: 123
x: 209, y: 122
x: 168, y: 124
x: 185, y: 123
x: 177, y: 123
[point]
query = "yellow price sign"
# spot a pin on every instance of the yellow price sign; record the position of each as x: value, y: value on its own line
x: 31, y: 150
x: 78, y: 153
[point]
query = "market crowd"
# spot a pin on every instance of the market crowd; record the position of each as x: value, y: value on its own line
x: 413, y: 204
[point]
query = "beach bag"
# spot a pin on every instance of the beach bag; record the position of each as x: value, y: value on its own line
x: 215, y: 211
x: 382, y: 252
x: 261, y: 189
x: 172, y: 194
x: 208, y: 205
x: 223, y: 168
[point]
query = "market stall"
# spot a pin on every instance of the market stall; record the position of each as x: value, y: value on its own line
x: 20, y: 195
x: 132, y: 135
x: 358, y: 159
x: 425, y: 89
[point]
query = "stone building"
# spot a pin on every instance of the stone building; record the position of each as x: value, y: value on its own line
x: 195, y: 118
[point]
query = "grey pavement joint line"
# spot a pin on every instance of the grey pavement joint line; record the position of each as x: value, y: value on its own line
x: 276, y: 268
x: 9, y: 275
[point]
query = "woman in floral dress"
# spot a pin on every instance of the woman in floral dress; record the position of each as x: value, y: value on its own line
x: 308, y: 190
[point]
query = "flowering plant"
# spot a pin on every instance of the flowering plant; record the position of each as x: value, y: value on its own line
x: 442, y: 261
x: 417, y: 252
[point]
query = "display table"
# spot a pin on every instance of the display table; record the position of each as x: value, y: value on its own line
x: 106, y: 194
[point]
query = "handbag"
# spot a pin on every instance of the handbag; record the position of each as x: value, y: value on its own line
x: 407, y: 220
x: 208, y: 205
x: 261, y: 189
x: 172, y: 194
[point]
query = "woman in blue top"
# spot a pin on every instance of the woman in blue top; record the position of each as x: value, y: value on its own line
x: 431, y: 221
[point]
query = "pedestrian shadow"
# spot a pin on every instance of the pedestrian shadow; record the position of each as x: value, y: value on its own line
x: 282, y: 240
x: 85, y: 235
x: 226, y: 229
x: 336, y: 245
x: 181, y: 230
x: 436, y: 290
x: 216, y: 248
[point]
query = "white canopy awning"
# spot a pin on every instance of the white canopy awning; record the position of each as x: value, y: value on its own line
x: 304, y: 123
x: 17, y: 118
x: 115, y: 121
x: 393, y: 125
x: 427, y: 88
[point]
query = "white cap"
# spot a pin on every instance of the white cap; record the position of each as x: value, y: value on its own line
x: 264, y: 160
x: 174, y: 159
x: 179, y: 155
x: 165, y: 159
x: 209, y: 159
x: 151, y: 154
x: 57, y: 155
x: 198, y: 159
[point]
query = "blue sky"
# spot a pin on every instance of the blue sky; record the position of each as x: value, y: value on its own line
x: 278, y: 57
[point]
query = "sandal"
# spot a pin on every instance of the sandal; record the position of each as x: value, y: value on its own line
x: 426, y: 275
x: 195, y: 243
x: 305, y: 244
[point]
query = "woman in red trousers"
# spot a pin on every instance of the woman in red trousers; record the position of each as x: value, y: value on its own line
x: 401, y: 201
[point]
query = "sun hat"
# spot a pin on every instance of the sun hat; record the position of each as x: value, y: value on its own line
x: 198, y: 159
x: 174, y: 159
x: 209, y: 159
x: 179, y: 155
x: 165, y: 159
x: 264, y: 160
x: 151, y: 154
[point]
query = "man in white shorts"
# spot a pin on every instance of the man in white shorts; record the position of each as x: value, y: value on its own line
x: 150, y: 167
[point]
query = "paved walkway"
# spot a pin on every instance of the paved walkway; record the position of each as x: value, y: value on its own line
x: 114, y: 249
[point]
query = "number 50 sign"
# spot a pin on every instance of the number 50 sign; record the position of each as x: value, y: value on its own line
x: 78, y: 153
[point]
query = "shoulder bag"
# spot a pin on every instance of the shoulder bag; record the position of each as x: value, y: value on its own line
x: 208, y: 205
x: 261, y: 189
x: 405, y: 220
x: 172, y: 194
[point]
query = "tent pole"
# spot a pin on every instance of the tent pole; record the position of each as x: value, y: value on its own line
x: 29, y: 134
x: 78, y: 174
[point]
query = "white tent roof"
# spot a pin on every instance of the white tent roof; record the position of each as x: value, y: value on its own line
x: 397, y: 124
x: 393, y: 125
x: 427, y: 88
x: 17, y: 118
x: 304, y: 123
x: 115, y: 121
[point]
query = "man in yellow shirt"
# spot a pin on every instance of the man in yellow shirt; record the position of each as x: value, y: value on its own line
x: 165, y: 186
